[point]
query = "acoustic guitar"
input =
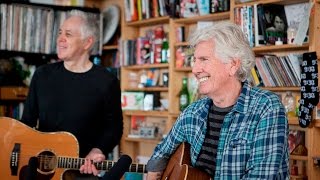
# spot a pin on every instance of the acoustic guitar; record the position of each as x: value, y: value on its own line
x: 179, y: 166
x: 56, y: 152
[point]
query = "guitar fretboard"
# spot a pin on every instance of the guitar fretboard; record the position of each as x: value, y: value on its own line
x: 76, y: 163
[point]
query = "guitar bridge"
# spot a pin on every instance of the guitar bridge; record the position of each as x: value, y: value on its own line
x: 14, y: 162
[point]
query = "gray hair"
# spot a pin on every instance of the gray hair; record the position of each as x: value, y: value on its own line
x: 90, y: 25
x: 230, y: 43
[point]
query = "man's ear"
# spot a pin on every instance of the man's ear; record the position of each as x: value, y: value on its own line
x: 234, y: 66
x: 88, y: 43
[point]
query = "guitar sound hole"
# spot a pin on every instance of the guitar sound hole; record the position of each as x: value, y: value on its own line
x: 47, y: 162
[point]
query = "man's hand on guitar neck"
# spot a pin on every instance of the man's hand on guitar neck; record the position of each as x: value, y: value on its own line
x: 94, y: 155
x: 154, y: 175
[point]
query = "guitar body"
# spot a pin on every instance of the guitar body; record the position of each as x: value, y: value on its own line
x: 179, y: 167
x: 27, y: 143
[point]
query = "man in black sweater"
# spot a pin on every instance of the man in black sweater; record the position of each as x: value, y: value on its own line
x: 77, y: 96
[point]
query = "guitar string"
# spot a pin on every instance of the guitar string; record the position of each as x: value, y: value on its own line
x: 48, y: 158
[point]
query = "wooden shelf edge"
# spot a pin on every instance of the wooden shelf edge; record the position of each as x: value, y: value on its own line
x: 209, y: 17
x: 146, y: 113
x: 14, y: 93
x: 293, y: 121
x: 281, y: 88
x: 300, y: 158
x: 149, y: 22
x: 142, y: 140
x: 110, y: 47
x: 269, y: 2
x: 317, y: 123
x: 292, y: 177
x: 277, y: 48
x: 183, y: 69
x: 148, y: 89
x: 146, y: 66
x: 177, y: 44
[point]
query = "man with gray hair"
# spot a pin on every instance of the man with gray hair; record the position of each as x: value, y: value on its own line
x: 236, y: 131
x: 76, y: 96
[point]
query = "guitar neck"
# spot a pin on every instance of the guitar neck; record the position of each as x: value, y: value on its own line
x: 76, y: 163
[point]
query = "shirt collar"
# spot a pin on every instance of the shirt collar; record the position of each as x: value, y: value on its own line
x: 243, y: 100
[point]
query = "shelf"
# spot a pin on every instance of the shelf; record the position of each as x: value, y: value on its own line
x: 150, y: 89
x: 209, y: 17
x: 299, y: 158
x: 299, y: 177
x: 183, y: 69
x: 316, y: 123
x: 110, y: 47
x: 281, y: 88
x: 284, y: 2
x: 146, y: 113
x: 177, y: 44
x: 146, y: 66
x: 175, y: 114
x: 33, y: 55
x: 280, y: 48
x: 13, y: 93
x: 141, y: 140
x: 293, y: 121
x: 149, y: 22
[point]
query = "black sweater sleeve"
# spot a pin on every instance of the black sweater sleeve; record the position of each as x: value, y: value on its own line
x: 113, y: 120
x: 31, y: 111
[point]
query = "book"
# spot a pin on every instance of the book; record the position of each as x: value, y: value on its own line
x: 273, y: 22
x: 132, y: 100
x: 203, y: 7
x: 136, y: 123
x: 296, y: 13
x: 295, y: 138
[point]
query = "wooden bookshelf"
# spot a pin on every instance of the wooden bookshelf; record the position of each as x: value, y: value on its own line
x: 142, y: 140
x: 147, y: 89
x: 110, y: 47
x: 281, y: 88
x: 279, y: 48
x: 183, y: 69
x: 284, y: 2
x: 132, y: 30
x: 146, y: 113
x: 146, y: 66
x: 177, y: 44
x: 13, y: 93
x: 300, y: 158
x: 209, y: 17
x: 149, y: 22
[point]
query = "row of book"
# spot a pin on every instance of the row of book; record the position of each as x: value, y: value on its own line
x: 12, y: 110
x: 30, y: 28
x: 273, y: 71
x: 265, y: 24
x: 144, y: 9
x: 145, y: 50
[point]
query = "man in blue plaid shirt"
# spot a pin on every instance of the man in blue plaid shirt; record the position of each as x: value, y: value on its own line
x: 236, y: 131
